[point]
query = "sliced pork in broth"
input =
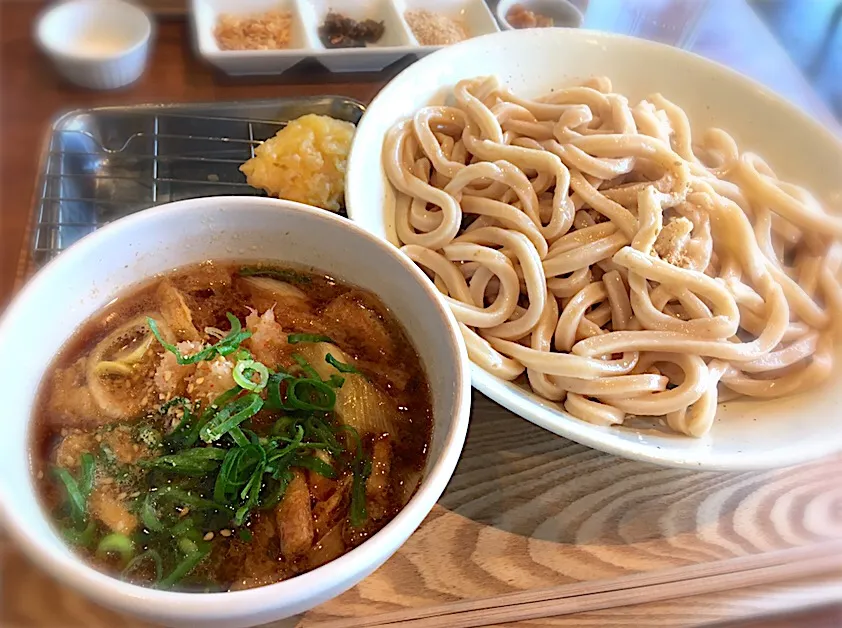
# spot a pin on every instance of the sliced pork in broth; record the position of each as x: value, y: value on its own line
x: 227, y: 427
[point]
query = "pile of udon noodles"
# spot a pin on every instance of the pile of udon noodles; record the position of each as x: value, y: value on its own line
x: 627, y: 270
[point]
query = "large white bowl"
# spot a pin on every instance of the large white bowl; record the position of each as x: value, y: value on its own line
x: 91, y: 273
x: 746, y: 435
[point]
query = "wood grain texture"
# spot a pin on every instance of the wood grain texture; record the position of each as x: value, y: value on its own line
x: 525, y: 509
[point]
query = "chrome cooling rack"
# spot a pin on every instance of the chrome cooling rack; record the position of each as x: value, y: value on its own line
x: 102, y: 164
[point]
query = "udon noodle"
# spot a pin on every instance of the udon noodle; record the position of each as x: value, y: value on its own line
x: 629, y: 268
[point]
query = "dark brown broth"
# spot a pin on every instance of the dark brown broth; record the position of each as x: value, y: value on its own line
x: 380, y: 349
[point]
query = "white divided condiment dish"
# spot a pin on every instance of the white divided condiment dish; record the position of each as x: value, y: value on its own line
x: 308, y: 15
x: 746, y: 434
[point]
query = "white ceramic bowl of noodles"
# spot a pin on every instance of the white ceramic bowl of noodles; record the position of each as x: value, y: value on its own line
x: 745, y: 434
x: 91, y: 273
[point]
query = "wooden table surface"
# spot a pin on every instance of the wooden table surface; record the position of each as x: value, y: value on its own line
x: 494, y: 530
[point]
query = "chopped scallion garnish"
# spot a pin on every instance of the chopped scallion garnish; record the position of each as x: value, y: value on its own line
x: 229, y: 344
x: 149, y: 554
x: 230, y: 416
x: 341, y: 366
x: 275, y: 273
x: 294, y: 339
x: 116, y: 543
x: 197, y: 461
x: 186, y: 566
x: 245, y: 370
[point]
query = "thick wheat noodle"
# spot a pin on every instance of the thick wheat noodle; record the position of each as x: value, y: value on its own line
x: 627, y: 267
x: 530, y: 261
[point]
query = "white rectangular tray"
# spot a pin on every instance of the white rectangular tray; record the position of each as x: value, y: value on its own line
x: 398, y: 39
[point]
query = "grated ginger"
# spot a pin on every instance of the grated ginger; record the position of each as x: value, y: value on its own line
x: 305, y: 162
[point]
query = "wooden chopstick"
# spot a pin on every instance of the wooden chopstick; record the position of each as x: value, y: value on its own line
x: 699, y: 579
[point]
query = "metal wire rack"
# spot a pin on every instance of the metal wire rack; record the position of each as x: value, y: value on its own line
x: 102, y: 164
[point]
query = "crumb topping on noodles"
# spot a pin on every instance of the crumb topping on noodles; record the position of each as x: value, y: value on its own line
x: 626, y: 266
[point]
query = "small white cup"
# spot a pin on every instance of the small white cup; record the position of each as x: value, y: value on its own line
x: 563, y: 12
x: 99, y: 44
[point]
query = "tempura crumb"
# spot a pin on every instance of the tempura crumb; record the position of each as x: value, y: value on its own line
x: 265, y: 31
x: 305, y: 162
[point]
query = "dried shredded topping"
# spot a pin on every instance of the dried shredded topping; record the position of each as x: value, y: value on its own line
x: 271, y: 30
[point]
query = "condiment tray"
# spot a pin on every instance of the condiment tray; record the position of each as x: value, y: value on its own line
x: 398, y: 39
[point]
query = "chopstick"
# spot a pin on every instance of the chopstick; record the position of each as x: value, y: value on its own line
x: 658, y: 586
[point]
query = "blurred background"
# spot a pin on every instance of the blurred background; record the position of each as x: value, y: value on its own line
x: 811, y: 33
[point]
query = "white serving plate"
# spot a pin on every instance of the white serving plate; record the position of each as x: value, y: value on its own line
x: 397, y: 41
x: 746, y: 434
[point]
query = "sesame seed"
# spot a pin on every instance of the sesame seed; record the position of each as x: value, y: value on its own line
x: 199, y: 381
x: 184, y: 512
x: 208, y: 536
x: 136, y: 447
x: 40, y: 475
x: 225, y: 533
x: 122, y: 496
x: 167, y: 376
x: 190, y: 388
x: 135, y: 494
x: 98, y: 438
x: 64, y: 431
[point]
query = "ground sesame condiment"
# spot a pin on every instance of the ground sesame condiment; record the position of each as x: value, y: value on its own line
x: 435, y: 29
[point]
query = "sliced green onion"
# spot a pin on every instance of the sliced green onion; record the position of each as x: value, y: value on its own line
x: 341, y: 366
x: 223, y: 400
x: 187, y: 545
x: 196, y: 462
x: 336, y: 381
x: 314, y: 464
x: 86, y: 482
x: 317, y: 428
x: 243, y: 371
x: 311, y: 394
x: 274, y: 401
x: 274, y: 273
x: 243, y: 354
x: 305, y: 366
x: 230, y: 416
x: 78, y: 510
x: 239, y: 437
x: 282, y: 425
x: 186, y: 566
x: 180, y: 496
x: 245, y: 535
x: 137, y: 560
x: 149, y: 517
x: 83, y: 538
x: 116, y: 543
x: 294, y: 339
x: 229, y: 344
x: 359, y: 512
x: 153, y: 326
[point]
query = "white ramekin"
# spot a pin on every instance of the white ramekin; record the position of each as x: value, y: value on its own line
x: 564, y: 12
x: 98, y: 44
